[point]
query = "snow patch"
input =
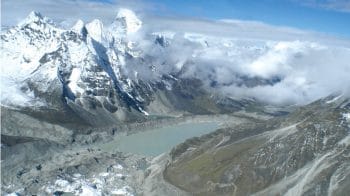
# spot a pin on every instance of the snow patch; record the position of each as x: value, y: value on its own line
x: 74, y: 79
x: 334, y: 99
x: 89, y: 191
x: 105, y: 174
x: 346, y: 116
x: 123, y: 191
x: 61, y: 183
x: 223, y: 140
x: 104, y: 183
x: 78, y: 27
x: 12, y: 194
x: 118, y: 166
x: 345, y: 141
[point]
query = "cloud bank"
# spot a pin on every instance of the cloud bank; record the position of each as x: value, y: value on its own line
x: 277, y: 72
x: 278, y: 65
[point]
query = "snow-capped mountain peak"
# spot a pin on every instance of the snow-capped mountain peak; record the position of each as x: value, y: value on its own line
x: 35, y: 18
x: 127, y: 21
x: 95, y: 30
x: 78, y: 27
x: 25, y: 44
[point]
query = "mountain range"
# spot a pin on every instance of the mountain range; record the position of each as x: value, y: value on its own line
x: 67, y: 93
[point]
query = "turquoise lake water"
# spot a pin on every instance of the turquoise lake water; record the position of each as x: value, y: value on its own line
x: 157, y: 141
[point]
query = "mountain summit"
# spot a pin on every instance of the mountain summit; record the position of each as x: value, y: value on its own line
x: 128, y: 21
x: 33, y: 16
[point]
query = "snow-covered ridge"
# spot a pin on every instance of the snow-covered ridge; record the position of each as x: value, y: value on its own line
x: 87, y: 65
x: 21, y: 50
x: 102, y: 60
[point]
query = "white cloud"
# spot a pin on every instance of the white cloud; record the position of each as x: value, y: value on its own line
x: 310, y: 65
x: 307, y: 71
x: 274, y: 71
x: 281, y: 70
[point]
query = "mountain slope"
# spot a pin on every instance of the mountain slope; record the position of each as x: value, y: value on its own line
x: 304, y: 153
x: 98, y: 73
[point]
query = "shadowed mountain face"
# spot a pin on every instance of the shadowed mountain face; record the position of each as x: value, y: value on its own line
x: 304, y: 153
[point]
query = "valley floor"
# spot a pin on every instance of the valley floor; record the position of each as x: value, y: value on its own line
x: 95, y: 164
x: 303, y: 153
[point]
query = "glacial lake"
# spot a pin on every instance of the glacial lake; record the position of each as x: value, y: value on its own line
x: 157, y: 141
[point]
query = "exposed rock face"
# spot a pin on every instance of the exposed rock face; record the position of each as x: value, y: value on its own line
x: 304, y: 153
x: 106, y: 74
